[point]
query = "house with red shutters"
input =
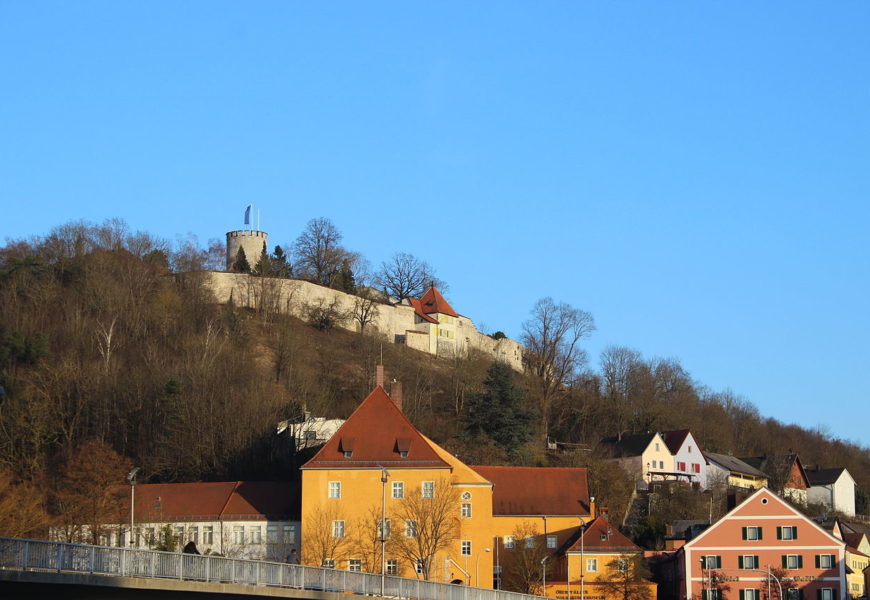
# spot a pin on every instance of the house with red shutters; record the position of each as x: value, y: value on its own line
x: 688, y: 458
x: 761, y: 544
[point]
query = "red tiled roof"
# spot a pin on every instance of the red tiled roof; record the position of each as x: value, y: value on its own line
x: 379, y: 432
x: 166, y: 502
x: 434, y: 302
x: 537, y: 490
x: 418, y: 309
x: 601, y: 536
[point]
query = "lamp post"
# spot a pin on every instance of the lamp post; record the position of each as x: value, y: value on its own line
x: 131, y: 479
x: 497, y: 565
x: 544, y: 574
x: 383, y: 528
x: 477, y: 566
x: 582, y: 558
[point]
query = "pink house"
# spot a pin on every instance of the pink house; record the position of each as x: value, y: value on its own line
x: 731, y: 559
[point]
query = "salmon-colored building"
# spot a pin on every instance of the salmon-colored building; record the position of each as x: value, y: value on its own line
x: 731, y: 558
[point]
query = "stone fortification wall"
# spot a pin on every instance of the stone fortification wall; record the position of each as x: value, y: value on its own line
x: 296, y: 297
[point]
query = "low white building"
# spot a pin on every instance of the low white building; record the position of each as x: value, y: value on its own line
x: 834, y: 488
x: 238, y: 519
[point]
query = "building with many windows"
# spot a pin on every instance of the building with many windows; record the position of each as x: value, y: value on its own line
x: 239, y: 519
x: 379, y: 479
x: 761, y: 541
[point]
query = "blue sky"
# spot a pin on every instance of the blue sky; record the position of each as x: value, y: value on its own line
x: 694, y: 174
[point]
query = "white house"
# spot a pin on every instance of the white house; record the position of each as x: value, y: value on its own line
x: 832, y: 487
x: 239, y: 519
x: 688, y: 458
x: 644, y: 455
x: 311, y: 431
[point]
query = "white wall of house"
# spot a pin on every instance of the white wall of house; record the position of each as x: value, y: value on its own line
x: 840, y: 495
x: 251, y: 539
x: 690, y: 460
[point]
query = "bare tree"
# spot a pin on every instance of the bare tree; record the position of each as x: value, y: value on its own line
x: 366, y: 539
x: 425, y: 525
x: 365, y: 308
x: 553, y: 354
x: 318, y: 254
x: 406, y: 276
x: 627, y: 581
x: 326, y: 536
x: 525, y: 565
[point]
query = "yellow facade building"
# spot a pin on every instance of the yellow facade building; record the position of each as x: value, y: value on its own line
x: 443, y: 520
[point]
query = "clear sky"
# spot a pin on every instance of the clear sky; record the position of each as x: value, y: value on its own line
x: 694, y: 174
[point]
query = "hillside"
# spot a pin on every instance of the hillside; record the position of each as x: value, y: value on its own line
x: 105, y: 343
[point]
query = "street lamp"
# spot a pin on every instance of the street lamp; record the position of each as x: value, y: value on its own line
x: 131, y: 479
x: 384, y: 476
x: 544, y: 574
x: 477, y: 566
x: 582, y: 558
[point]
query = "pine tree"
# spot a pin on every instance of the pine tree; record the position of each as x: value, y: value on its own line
x: 498, y: 411
x: 280, y: 263
x: 241, y: 265
x: 264, y: 265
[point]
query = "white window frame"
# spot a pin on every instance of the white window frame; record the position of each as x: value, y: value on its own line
x: 827, y: 594
x: 328, y: 563
x: 823, y: 558
x: 338, y: 530
x: 465, y: 510
x: 465, y: 548
x: 392, y: 566
x: 410, y: 528
x: 208, y: 534
x: 419, y: 564
x: 256, y: 532
x: 592, y: 565
x: 398, y: 490
x: 427, y: 489
x: 552, y: 540
x: 529, y: 541
x: 354, y: 565
x: 509, y: 542
x: 788, y: 561
x: 334, y: 490
x: 753, y: 530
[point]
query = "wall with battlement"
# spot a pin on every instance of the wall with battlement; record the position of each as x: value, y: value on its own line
x: 397, y: 322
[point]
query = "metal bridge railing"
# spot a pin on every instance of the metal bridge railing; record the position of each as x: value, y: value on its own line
x: 37, y: 555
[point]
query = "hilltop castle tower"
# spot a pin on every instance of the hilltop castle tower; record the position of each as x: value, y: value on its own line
x: 250, y: 240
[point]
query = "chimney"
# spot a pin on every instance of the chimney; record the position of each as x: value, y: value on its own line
x: 396, y: 393
x: 379, y: 376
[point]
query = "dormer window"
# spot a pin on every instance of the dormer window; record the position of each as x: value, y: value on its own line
x: 403, y: 446
x: 345, y: 446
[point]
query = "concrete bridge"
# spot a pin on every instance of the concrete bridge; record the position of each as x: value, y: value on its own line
x: 33, y: 568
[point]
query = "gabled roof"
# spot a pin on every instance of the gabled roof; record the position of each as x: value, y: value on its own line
x: 824, y: 476
x: 734, y: 465
x: 766, y: 496
x: 433, y: 302
x: 418, y: 309
x: 375, y: 435
x: 600, y: 536
x: 171, y: 502
x: 674, y: 439
x: 765, y: 464
x: 537, y: 490
x: 630, y: 445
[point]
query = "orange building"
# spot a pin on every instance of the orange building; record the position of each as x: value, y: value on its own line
x: 764, y: 534
x: 443, y: 520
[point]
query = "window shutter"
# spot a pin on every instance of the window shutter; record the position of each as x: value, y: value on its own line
x: 784, y: 561
x: 742, y: 594
x: 818, y: 561
x: 740, y: 562
x: 743, y: 529
x: 779, y: 533
x: 819, y: 594
x: 794, y: 532
x: 800, y: 561
x: 703, y: 562
x: 760, y: 531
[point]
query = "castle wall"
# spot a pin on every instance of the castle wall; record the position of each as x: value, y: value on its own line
x: 397, y: 322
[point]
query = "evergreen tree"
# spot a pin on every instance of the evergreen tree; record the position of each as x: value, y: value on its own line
x: 280, y: 263
x: 264, y: 265
x: 241, y: 265
x: 499, y: 411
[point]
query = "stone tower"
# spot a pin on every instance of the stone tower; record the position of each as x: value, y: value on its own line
x: 251, y: 240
